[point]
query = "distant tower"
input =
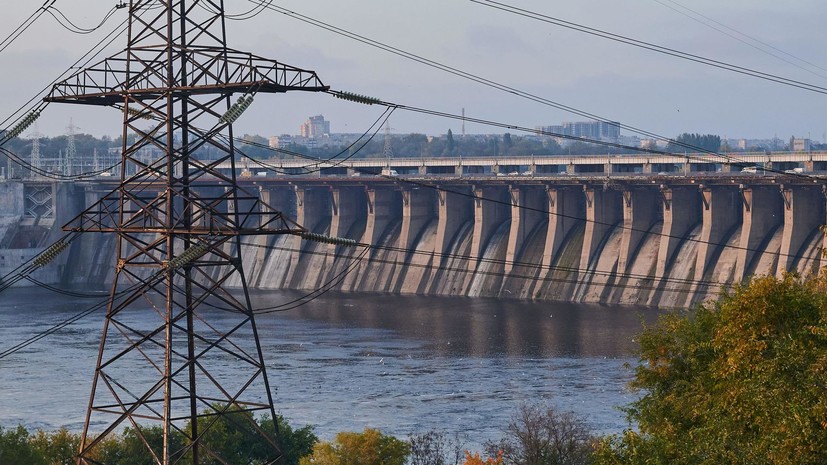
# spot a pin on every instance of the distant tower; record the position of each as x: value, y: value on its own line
x: 71, y: 151
x: 463, y: 122
x: 35, y: 157
x: 388, y: 151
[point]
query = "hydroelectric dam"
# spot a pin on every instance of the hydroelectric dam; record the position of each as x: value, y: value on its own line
x: 665, y: 231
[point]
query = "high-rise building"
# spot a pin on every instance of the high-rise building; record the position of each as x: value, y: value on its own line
x: 315, y: 127
x: 598, y: 130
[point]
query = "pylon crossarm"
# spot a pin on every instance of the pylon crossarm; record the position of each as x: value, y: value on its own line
x: 109, y: 82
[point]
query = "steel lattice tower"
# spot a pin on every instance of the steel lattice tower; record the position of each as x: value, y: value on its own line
x: 179, y: 223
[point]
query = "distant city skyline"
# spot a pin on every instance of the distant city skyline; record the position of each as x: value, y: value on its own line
x: 612, y: 81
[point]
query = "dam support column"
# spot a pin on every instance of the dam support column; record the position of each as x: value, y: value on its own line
x: 274, y: 249
x: 418, y: 210
x: 720, y: 209
x: 761, y: 215
x: 490, y: 210
x: 454, y: 208
x: 603, y: 212
x: 565, y: 210
x: 803, y: 214
x: 383, y: 208
x: 347, y: 206
x: 527, y: 211
x: 312, y: 208
x: 640, y: 212
x: 680, y: 215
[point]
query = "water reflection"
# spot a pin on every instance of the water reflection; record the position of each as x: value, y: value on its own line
x: 463, y: 327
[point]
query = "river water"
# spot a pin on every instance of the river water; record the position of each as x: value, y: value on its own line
x: 344, y: 362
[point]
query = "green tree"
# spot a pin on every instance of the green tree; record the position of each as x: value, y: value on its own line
x: 369, y: 447
x: 450, y: 145
x: 507, y: 144
x: 741, y: 381
x: 16, y: 448
x: 58, y: 448
x: 695, y: 142
x: 295, y: 443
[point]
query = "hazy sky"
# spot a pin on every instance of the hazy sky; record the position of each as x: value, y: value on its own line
x: 617, y: 82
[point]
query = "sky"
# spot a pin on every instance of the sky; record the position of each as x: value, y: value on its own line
x: 616, y: 82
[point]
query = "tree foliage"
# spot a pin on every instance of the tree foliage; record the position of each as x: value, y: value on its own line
x: 369, y: 447
x: 230, y: 438
x: 687, y: 142
x: 742, y: 381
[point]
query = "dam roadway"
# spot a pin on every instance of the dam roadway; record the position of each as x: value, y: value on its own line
x: 665, y: 238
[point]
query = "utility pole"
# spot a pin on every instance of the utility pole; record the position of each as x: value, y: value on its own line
x: 71, y: 151
x: 179, y: 220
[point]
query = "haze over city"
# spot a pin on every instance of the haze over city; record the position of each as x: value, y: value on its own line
x: 617, y: 82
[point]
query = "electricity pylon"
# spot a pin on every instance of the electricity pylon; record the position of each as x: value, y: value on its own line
x: 184, y: 365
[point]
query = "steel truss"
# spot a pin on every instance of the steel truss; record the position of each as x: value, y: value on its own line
x: 189, y: 367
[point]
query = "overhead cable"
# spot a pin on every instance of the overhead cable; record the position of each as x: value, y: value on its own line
x: 652, y: 47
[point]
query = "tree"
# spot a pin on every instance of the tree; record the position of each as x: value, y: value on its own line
x: 476, y: 460
x: 369, y: 447
x: 451, y: 146
x: 58, y: 448
x: 695, y: 142
x: 435, y: 448
x: 741, y: 381
x: 295, y: 443
x: 507, y: 144
x: 17, y: 449
x: 543, y: 436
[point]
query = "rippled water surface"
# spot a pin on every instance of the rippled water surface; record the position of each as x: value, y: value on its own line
x: 345, y: 362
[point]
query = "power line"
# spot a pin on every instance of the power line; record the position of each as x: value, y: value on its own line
x: 17, y: 32
x: 742, y: 34
x: 72, y: 27
x: 652, y: 47
x: 470, y: 76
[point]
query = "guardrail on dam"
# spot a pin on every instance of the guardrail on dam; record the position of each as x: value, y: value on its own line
x: 668, y: 239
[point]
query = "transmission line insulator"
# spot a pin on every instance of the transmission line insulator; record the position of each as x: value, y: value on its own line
x: 309, y: 236
x: 50, y: 254
x: 27, y: 121
x: 187, y: 256
x: 357, y: 98
x: 236, y: 109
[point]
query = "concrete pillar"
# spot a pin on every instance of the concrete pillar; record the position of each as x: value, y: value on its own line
x: 603, y: 211
x: 526, y: 213
x: 565, y: 210
x: 382, y: 208
x: 490, y: 210
x: 761, y: 213
x: 680, y: 215
x: 803, y: 214
x: 454, y: 208
x: 312, y: 207
x: 640, y: 212
x: 347, y: 204
x: 720, y: 210
x: 417, y: 212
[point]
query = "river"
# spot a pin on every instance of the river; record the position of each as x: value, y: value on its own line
x: 344, y: 362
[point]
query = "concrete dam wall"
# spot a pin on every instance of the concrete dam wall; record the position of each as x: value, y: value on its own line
x: 644, y: 241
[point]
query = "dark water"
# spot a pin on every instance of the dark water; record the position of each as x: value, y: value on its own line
x: 344, y: 362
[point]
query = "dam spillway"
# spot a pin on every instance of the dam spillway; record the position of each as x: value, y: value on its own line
x: 667, y: 239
